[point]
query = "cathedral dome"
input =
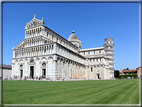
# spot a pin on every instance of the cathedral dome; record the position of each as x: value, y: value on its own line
x: 73, y: 36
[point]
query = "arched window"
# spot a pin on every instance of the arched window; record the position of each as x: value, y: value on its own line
x: 21, y: 66
x: 32, y: 61
x: 43, y: 65
x: 45, y: 41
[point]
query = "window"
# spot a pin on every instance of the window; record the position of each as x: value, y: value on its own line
x: 94, y: 52
x: 91, y: 69
x: 88, y: 52
x: 47, y: 34
x: 38, y: 32
x: 36, y: 24
x: 45, y: 41
x: 76, y: 45
x: 99, y: 51
x: 16, y: 54
x: 43, y: 65
x: 32, y: 61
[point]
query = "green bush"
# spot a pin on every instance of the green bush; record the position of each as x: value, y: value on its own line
x: 116, y: 73
x: 125, y: 76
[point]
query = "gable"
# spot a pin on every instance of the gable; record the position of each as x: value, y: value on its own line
x: 20, y: 45
x: 34, y: 23
x: 35, y: 40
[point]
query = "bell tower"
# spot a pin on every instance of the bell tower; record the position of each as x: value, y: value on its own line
x: 109, y: 50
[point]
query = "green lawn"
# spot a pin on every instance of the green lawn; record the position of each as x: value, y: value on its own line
x: 71, y: 92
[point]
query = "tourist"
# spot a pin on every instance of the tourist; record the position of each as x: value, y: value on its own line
x: 25, y: 77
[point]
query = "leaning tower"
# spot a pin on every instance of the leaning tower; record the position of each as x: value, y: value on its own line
x: 109, y: 49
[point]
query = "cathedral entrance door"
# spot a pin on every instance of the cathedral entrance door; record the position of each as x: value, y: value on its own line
x: 32, y: 71
x: 43, y: 73
x: 21, y: 73
x: 98, y: 76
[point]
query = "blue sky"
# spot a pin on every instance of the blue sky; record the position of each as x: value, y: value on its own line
x: 91, y: 22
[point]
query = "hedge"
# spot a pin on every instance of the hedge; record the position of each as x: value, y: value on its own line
x: 125, y: 76
x: 116, y: 73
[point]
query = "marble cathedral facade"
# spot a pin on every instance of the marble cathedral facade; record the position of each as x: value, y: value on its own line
x: 43, y: 52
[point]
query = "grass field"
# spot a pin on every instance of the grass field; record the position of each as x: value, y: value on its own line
x: 71, y: 92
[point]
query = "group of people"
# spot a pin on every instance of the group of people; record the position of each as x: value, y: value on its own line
x: 33, y: 77
x: 7, y: 78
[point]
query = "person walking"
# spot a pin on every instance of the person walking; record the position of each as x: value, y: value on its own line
x: 25, y: 77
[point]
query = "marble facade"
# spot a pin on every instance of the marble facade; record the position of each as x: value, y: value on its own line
x: 43, y: 52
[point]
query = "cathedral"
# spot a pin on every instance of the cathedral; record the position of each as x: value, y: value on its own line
x: 45, y: 53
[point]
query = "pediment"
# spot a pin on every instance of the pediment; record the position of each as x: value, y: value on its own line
x: 34, y: 23
x: 20, y: 45
x: 31, y: 40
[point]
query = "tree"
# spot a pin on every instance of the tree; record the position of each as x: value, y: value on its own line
x: 116, y: 73
x: 126, y: 69
x: 132, y: 72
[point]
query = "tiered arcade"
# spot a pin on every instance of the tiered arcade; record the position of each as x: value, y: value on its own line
x: 45, y: 53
